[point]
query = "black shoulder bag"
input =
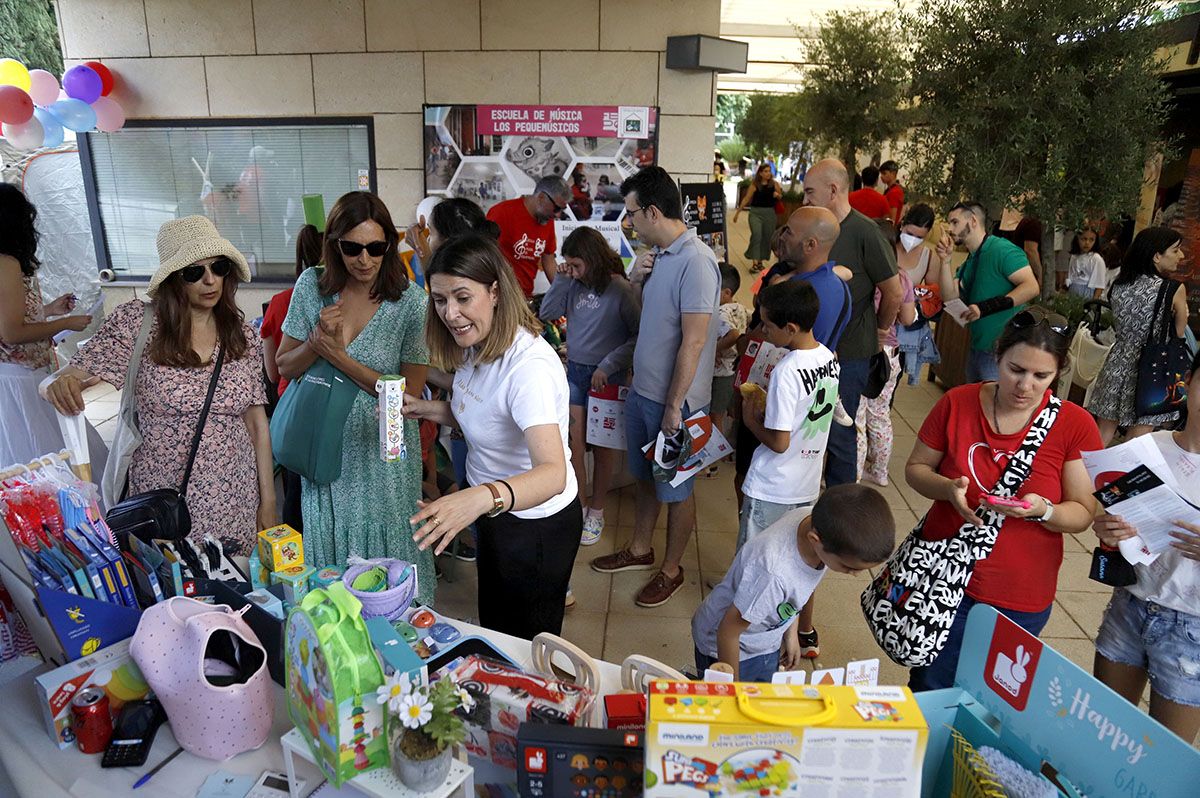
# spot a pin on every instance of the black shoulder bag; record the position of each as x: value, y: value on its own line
x: 163, y: 514
x: 1164, y: 362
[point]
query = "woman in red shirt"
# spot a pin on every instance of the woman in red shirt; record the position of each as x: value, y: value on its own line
x: 961, y: 450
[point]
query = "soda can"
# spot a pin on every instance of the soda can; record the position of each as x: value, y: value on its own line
x: 91, y: 721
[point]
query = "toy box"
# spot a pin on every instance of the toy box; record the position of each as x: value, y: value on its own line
x: 325, y: 577
x: 391, y: 420
x: 742, y: 739
x: 506, y: 696
x: 294, y: 580
x: 579, y: 762
x: 112, y: 669
x: 394, y: 651
x: 280, y: 547
x: 332, y: 676
x: 260, y: 577
x: 267, y: 601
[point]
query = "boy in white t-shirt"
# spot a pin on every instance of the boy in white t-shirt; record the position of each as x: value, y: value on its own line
x: 749, y: 620
x: 793, y: 423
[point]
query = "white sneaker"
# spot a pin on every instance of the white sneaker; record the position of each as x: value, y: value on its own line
x: 841, y: 416
x: 593, y: 525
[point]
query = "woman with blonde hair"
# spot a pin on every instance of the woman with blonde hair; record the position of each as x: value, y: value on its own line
x: 510, y: 401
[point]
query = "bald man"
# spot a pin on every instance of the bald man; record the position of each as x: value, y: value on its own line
x: 860, y: 247
x: 805, y: 241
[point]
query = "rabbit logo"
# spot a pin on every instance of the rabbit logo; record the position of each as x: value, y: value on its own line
x: 1011, y: 663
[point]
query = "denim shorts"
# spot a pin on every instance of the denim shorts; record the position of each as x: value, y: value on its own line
x: 757, y: 515
x: 579, y: 382
x: 1163, y: 642
x: 643, y: 421
x: 754, y: 669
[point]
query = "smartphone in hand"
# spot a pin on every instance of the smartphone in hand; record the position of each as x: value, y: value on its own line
x: 1000, y: 501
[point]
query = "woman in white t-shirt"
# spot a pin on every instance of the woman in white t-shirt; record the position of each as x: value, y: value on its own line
x: 510, y: 401
x: 1087, y: 276
x: 1152, y: 628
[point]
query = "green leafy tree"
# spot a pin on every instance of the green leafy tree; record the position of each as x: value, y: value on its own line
x: 857, y: 82
x: 1048, y: 106
x: 732, y: 150
x: 30, y: 34
x: 730, y: 110
x: 760, y: 128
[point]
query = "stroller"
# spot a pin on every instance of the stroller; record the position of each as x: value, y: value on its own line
x: 1089, y: 349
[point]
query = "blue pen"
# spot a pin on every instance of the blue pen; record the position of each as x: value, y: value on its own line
x: 157, y: 768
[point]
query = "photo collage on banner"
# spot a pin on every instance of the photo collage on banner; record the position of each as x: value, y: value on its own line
x: 704, y: 210
x: 491, y: 153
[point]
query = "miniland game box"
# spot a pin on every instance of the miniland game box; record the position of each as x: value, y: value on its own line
x: 742, y: 739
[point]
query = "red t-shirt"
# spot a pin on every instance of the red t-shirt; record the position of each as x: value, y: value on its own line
x: 1021, y: 573
x: 523, y: 240
x: 870, y: 203
x: 272, y: 324
x: 894, y: 194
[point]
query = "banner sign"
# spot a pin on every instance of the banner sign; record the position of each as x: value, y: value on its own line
x: 603, y: 121
x: 704, y: 210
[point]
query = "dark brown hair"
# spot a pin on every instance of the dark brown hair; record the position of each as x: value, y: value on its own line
x: 310, y: 245
x: 588, y: 244
x: 855, y: 521
x: 172, y: 343
x: 478, y: 258
x: 349, y: 212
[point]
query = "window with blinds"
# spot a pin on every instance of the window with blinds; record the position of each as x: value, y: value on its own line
x: 248, y: 177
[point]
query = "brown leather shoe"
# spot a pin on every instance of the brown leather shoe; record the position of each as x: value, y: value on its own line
x: 658, y: 591
x: 623, y: 560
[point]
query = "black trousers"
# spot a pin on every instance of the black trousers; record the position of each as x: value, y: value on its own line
x: 524, y: 569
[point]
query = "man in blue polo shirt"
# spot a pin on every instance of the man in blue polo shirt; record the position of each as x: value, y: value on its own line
x: 806, y: 240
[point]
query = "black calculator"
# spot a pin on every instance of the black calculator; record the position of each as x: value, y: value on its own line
x: 134, y: 734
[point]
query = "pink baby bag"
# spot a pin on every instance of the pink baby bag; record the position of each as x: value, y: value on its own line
x: 209, y: 670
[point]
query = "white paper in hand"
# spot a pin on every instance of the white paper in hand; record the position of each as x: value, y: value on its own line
x: 956, y: 308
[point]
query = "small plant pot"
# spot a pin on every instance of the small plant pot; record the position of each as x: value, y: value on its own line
x: 416, y: 761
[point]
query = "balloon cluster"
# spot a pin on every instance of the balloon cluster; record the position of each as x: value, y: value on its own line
x: 34, y: 110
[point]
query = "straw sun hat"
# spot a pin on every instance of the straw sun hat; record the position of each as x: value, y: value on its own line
x: 182, y: 242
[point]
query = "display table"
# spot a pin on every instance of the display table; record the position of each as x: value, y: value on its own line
x: 38, y: 768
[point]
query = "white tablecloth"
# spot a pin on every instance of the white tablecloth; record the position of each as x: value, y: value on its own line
x: 39, y: 769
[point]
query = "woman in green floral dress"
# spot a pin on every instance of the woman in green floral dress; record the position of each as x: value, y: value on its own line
x: 373, y: 324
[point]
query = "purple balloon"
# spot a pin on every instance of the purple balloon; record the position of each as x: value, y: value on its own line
x: 83, y: 83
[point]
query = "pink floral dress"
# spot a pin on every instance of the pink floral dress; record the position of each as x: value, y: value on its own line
x: 34, y: 355
x: 222, y: 496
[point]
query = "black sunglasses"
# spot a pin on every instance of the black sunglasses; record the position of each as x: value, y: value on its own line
x: 558, y: 208
x: 352, y: 249
x: 194, y: 273
x: 1034, y: 316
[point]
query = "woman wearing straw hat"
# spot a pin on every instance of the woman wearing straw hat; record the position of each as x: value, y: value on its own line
x: 194, y: 320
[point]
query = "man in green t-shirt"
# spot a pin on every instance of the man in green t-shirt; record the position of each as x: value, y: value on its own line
x: 995, y: 282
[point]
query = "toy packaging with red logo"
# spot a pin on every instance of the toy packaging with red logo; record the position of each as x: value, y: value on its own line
x: 505, y: 697
x: 111, y: 669
x: 742, y: 739
x: 1019, y: 696
x: 573, y: 762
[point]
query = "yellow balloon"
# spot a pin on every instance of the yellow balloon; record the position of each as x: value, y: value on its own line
x: 14, y: 73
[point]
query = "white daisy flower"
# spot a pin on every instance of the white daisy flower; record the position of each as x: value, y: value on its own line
x: 393, y: 691
x: 415, y: 711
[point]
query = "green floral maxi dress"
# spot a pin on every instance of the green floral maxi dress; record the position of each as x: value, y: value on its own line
x: 365, y: 512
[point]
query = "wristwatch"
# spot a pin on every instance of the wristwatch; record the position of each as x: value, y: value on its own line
x: 1046, y: 516
x: 497, y: 501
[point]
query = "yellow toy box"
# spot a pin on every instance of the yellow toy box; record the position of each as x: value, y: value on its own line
x: 743, y: 739
x: 280, y: 547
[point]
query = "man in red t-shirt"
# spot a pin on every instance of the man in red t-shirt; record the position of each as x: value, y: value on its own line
x: 527, y: 229
x: 894, y: 192
x: 867, y: 200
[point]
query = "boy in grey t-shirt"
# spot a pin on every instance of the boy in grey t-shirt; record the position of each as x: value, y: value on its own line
x: 748, y: 617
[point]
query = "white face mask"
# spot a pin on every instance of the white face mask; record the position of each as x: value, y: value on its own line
x: 910, y: 242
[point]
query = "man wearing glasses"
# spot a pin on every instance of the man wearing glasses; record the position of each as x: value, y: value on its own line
x: 527, y: 229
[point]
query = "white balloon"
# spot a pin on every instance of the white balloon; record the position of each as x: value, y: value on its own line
x: 25, y: 136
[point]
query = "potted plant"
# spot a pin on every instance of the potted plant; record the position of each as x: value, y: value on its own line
x: 423, y: 729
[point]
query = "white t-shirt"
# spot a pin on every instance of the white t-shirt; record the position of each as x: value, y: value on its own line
x: 1087, y: 269
x: 768, y: 582
x: 801, y: 397
x: 495, y: 403
x: 1172, y: 580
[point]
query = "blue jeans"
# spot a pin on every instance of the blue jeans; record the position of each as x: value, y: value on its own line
x: 754, y: 669
x: 643, y: 422
x: 982, y: 366
x: 841, y: 464
x: 940, y: 673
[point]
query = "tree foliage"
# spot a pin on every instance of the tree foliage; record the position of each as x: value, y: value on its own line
x: 854, y: 91
x: 1050, y: 106
x: 774, y: 122
x: 30, y: 34
x: 732, y: 150
x: 731, y: 107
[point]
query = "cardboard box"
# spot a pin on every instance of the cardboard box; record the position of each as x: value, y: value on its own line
x: 280, y: 547
x: 325, y: 577
x: 394, y: 652
x: 109, y: 668
x: 295, y: 582
x: 737, y: 739
x: 625, y: 711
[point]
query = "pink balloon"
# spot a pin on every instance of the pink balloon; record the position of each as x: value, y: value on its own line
x: 110, y: 116
x: 44, y: 88
x: 15, y: 106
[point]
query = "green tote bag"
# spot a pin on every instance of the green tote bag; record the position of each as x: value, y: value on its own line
x: 309, y: 422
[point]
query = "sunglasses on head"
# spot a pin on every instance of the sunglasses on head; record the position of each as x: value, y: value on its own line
x: 194, y: 273
x: 352, y: 249
x: 1034, y: 316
